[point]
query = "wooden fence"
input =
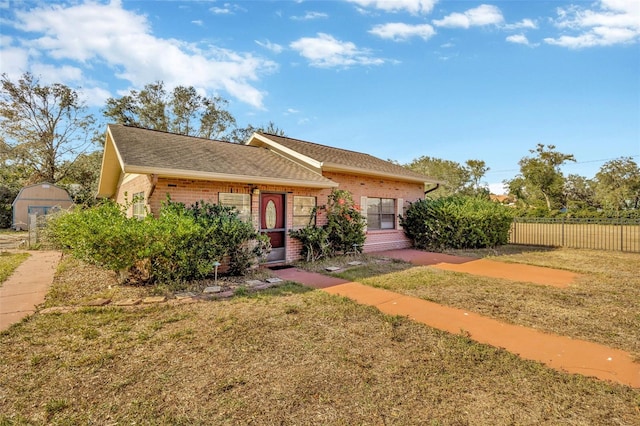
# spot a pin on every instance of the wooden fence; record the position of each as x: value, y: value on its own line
x: 599, y: 234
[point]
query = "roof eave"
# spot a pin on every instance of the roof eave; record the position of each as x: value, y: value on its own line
x: 110, y: 169
x: 332, y: 167
x: 222, y: 177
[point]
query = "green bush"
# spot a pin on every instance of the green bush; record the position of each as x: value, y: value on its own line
x: 343, y: 233
x: 457, y: 222
x: 181, y: 244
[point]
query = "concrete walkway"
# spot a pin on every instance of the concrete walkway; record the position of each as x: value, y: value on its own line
x: 26, y: 288
x: 558, y: 352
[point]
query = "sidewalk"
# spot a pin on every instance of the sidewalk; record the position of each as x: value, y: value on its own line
x: 557, y: 352
x: 27, y: 287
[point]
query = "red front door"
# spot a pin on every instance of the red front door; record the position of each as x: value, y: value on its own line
x: 272, y: 222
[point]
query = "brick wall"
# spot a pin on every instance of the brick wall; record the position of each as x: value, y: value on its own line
x: 189, y: 191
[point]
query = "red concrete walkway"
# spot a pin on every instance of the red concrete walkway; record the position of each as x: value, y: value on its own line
x: 27, y: 287
x: 558, y: 352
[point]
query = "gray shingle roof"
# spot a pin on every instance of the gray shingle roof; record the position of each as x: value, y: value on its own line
x: 337, y: 158
x: 141, y: 150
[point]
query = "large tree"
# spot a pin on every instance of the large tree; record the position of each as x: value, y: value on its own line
x: 618, y: 184
x: 579, y: 193
x: 183, y: 111
x: 43, y: 128
x: 455, y: 177
x: 477, y: 169
x: 541, y: 179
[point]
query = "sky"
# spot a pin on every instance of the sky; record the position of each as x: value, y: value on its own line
x: 398, y: 79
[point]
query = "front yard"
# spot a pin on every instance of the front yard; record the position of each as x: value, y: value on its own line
x: 290, y: 355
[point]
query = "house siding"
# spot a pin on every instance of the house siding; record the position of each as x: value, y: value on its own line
x: 189, y: 191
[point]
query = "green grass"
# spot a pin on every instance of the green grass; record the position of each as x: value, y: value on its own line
x: 288, y: 355
x: 9, y: 262
x: 600, y: 306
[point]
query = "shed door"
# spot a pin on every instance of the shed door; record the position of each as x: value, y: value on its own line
x: 273, y: 223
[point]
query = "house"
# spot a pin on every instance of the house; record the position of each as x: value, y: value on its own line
x: 273, y: 181
x: 40, y: 199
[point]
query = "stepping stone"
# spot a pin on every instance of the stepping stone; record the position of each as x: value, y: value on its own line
x: 332, y: 268
x: 185, y: 295
x: 128, y: 302
x: 154, y: 299
x: 212, y: 289
x: 262, y: 286
x: 354, y: 263
x: 273, y: 280
x: 59, y: 310
x: 98, y: 302
x: 253, y: 283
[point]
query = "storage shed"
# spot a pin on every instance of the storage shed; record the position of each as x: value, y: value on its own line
x: 40, y: 199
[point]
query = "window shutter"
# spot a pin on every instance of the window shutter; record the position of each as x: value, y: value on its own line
x: 363, y: 210
x: 400, y: 207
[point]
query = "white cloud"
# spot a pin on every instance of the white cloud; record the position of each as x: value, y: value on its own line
x: 524, y: 24
x: 324, y: 51
x: 198, y: 22
x: 123, y: 40
x: 291, y: 111
x: 310, y: 16
x: 411, y: 6
x: 398, y: 31
x: 519, y: 39
x: 274, y: 47
x: 608, y: 23
x: 480, y: 16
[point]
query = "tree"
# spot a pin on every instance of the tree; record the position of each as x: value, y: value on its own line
x: 240, y: 135
x: 477, y: 169
x: 579, y: 193
x: 455, y: 176
x: 541, y: 178
x: 182, y: 111
x: 43, y: 128
x: 618, y: 184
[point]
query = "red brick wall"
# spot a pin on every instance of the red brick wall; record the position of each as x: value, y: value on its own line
x: 189, y: 191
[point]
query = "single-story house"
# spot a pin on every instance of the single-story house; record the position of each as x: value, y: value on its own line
x: 273, y: 181
x: 40, y: 199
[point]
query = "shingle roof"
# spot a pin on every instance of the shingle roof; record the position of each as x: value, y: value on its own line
x: 142, y: 150
x: 345, y: 160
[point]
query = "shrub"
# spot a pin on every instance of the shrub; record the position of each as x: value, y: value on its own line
x: 343, y: 233
x: 457, y: 222
x: 181, y: 244
x: 345, y: 224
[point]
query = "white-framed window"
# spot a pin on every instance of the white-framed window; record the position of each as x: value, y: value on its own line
x: 303, y: 211
x: 241, y: 202
x: 138, y: 206
x: 381, y: 213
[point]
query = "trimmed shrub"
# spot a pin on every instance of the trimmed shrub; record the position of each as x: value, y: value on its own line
x: 457, y: 222
x: 181, y: 244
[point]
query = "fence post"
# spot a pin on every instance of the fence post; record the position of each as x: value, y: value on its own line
x: 621, y: 235
x: 562, y: 232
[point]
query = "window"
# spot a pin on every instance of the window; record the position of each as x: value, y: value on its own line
x: 303, y: 211
x: 241, y: 202
x: 139, y: 208
x: 381, y: 213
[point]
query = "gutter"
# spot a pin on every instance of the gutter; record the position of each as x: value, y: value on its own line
x: 432, y: 189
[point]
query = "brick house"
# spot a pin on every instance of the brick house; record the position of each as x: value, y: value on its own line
x: 273, y: 181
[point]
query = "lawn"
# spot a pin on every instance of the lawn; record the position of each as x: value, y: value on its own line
x: 602, y: 306
x: 9, y: 262
x: 284, y: 356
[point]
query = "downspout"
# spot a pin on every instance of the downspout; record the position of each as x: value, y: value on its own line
x: 432, y: 189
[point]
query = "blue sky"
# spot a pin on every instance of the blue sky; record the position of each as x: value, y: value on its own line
x: 399, y: 79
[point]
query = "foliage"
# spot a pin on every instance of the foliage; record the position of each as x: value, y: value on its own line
x: 345, y: 224
x: 453, y: 175
x: 240, y: 135
x: 181, y: 244
x: 618, y: 184
x: 540, y: 179
x: 457, y: 222
x: 314, y: 239
x: 344, y: 231
x: 43, y: 128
